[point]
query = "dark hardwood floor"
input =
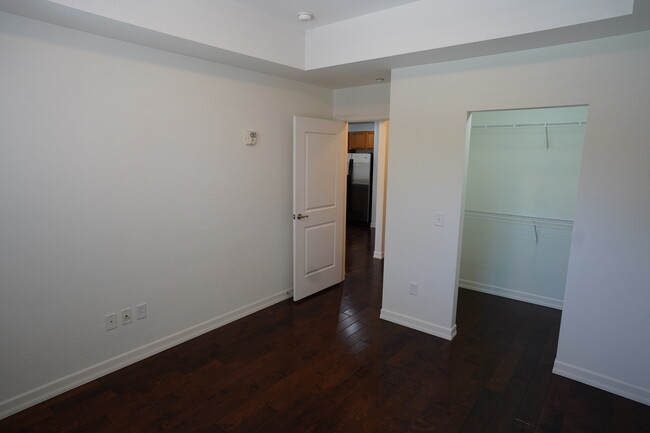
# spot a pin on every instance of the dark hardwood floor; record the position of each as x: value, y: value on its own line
x: 328, y: 364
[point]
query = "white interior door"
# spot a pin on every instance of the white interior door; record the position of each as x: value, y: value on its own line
x: 319, y: 165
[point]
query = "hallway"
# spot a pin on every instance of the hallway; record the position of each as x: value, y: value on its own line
x: 329, y: 364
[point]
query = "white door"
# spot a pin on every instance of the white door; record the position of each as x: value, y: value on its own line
x: 319, y: 166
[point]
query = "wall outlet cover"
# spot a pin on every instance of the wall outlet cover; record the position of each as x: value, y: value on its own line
x: 111, y: 321
x: 127, y: 316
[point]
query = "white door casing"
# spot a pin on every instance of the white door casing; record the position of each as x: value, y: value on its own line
x: 319, y: 166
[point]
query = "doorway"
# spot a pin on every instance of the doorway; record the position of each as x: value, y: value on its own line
x: 361, y: 181
x: 366, y: 185
x: 521, y: 185
x: 319, y: 202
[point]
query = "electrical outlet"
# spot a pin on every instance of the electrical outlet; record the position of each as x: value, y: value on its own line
x: 413, y: 289
x: 141, y: 311
x: 251, y: 137
x: 440, y: 219
x: 111, y: 321
x: 126, y: 315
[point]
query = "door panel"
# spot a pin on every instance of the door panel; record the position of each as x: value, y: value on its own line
x: 320, y: 152
x: 320, y: 244
x: 320, y: 163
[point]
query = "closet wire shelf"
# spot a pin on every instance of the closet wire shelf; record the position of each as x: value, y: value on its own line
x: 529, y: 125
x: 522, y: 219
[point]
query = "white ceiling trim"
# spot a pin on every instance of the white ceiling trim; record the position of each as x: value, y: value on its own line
x: 347, y: 53
x: 429, y: 25
x: 221, y: 24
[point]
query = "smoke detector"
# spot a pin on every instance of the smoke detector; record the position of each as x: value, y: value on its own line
x: 305, y: 16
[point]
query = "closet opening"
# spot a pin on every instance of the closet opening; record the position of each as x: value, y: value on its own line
x: 521, y: 184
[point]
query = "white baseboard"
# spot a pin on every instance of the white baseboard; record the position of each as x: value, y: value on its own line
x: 609, y: 384
x: 378, y: 255
x: 512, y: 294
x: 417, y: 324
x: 30, y: 398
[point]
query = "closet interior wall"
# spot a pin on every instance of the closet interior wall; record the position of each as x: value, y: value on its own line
x: 522, y: 182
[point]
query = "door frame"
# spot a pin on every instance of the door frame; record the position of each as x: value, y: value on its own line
x: 382, y: 132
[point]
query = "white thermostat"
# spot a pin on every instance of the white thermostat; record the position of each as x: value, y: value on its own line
x: 251, y: 137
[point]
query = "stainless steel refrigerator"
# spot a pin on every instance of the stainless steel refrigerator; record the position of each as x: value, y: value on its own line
x: 359, y: 203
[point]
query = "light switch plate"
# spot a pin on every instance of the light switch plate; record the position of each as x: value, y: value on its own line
x: 140, y: 311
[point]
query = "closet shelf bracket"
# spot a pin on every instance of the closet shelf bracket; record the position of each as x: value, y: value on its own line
x: 546, y: 129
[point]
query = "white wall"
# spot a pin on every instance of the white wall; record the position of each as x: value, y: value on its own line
x: 511, y: 171
x: 124, y: 178
x: 366, y: 126
x: 381, y: 152
x: 363, y: 103
x: 603, y: 339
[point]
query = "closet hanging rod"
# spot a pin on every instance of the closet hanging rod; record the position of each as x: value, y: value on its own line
x: 529, y: 125
x: 521, y: 219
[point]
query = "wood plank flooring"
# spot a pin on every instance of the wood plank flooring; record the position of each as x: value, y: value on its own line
x: 328, y: 364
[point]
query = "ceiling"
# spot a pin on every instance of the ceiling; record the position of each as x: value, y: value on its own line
x: 350, y: 42
x: 324, y: 11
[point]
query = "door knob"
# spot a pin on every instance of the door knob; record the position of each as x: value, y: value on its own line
x: 301, y: 216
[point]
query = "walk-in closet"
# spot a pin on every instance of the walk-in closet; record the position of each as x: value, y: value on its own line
x: 523, y: 170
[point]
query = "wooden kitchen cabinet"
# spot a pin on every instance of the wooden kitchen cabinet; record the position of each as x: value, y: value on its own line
x: 360, y: 140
